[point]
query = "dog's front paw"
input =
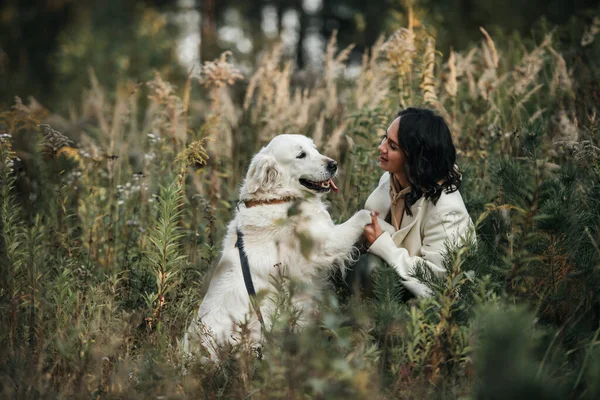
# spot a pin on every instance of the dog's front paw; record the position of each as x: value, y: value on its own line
x: 363, y: 217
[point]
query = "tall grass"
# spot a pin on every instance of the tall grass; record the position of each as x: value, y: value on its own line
x: 112, y: 217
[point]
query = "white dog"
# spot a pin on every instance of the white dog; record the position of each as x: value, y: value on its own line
x: 288, y: 172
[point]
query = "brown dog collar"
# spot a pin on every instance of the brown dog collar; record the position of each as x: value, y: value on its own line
x: 253, y: 203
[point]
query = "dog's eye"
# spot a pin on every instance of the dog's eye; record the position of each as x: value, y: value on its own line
x: 301, y: 155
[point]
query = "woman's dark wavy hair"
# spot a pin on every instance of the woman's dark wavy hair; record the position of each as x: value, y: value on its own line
x: 430, y: 155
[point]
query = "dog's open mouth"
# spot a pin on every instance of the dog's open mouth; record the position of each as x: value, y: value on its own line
x: 322, y: 186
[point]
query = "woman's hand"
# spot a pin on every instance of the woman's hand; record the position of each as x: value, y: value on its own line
x: 373, y: 230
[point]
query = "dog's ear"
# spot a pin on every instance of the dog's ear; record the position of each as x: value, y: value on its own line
x: 264, y: 174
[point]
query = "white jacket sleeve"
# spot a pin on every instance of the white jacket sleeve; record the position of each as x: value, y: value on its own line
x: 447, y: 224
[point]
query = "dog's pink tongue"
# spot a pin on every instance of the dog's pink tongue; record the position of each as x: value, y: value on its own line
x: 333, y: 187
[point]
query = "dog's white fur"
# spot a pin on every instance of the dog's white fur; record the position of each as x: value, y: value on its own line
x: 272, y: 241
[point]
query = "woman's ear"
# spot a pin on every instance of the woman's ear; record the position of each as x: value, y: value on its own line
x: 264, y: 174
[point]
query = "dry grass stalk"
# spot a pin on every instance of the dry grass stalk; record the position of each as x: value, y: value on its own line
x: 118, y: 120
x: 536, y: 115
x: 169, y: 109
x: 332, y: 148
x: 332, y: 65
x: 590, y: 32
x: 582, y: 151
x: 428, y: 77
x: 187, y: 90
x: 567, y: 130
x: 22, y: 116
x: 268, y: 66
x: 302, y: 103
x: 465, y: 66
x: 521, y: 103
x: 489, y: 50
x: 451, y: 84
x: 218, y: 74
x: 527, y: 71
x: 399, y: 50
x: 318, y: 131
x: 372, y: 84
x: 53, y: 140
x: 560, y: 77
x: 488, y: 80
x: 94, y: 103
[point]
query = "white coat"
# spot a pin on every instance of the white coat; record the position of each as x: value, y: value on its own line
x: 422, y: 237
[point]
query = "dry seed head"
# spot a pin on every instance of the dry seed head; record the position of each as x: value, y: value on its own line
x: 428, y: 82
x: 526, y: 72
x: 268, y: 66
x: 161, y: 91
x: 536, y: 115
x: 399, y: 51
x: 372, y: 84
x: 567, y: 130
x: 487, y: 82
x: 333, y: 64
x: 53, y: 140
x: 560, y: 77
x: 465, y: 66
x: 194, y: 154
x: 318, y: 132
x: 529, y: 94
x: 591, y: 32
x: 302, y: 105
x: 335, y: 140
x: 489, y: 50
x: 582, y: 151
x: 451, y: 85
x: 218, y: 73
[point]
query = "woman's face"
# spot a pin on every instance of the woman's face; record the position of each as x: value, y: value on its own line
x: 391, y: 157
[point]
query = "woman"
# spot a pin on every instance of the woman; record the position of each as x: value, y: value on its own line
x: 418, y: 193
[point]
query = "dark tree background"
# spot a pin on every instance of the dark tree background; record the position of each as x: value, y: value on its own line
x: 43, y: 54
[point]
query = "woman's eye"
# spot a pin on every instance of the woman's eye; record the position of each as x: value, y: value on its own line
x: 301, y: 155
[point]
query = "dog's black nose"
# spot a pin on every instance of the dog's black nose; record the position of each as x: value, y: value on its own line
x: 331, y: 166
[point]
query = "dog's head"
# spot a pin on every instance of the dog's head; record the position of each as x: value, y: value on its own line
x: 289, y: 166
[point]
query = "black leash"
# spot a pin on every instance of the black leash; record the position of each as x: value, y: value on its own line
x: 247, y: 276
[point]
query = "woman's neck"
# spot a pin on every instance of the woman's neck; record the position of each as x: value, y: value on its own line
x: 402, y: 179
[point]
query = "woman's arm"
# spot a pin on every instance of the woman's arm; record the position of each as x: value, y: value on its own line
x: 447, y: 224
